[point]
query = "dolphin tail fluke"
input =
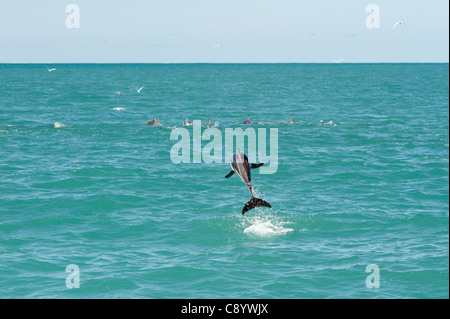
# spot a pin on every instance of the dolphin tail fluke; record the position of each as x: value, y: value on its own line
x: 253, y: 203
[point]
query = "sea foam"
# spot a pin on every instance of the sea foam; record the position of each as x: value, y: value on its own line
x: 265, y: 226
x: 58, y: 125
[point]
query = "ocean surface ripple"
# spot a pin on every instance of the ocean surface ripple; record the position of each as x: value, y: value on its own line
x: 86, y: 181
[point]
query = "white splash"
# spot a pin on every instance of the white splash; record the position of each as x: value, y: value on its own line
x: 265, y: 226
x: 58, y: 125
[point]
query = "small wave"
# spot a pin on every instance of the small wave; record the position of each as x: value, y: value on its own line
x: 118, y: 109
x: 278, y: 123
x: 329, y: 123
x: 59, y: 125
x: 263, y: 226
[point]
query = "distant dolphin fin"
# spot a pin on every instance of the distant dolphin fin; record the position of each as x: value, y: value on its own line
x: 257, y: 165
x: 253, y: 203
x: 229, y: 175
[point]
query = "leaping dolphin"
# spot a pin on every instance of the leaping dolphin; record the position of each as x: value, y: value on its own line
x: 242, y: 167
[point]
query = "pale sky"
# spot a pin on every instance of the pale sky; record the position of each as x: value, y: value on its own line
x: 248, y: 31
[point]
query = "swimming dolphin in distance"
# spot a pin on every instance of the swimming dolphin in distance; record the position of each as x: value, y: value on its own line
x: 154, y: 122
x: 187, y: 123
x: 291, y: 121
x: 242, y: 167
x: 247, y: 121
x: 210, y: 124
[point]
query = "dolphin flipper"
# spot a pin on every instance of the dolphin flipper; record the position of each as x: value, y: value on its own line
x: 229, y: 175
x: 253, y: 203
x: 257, y: 165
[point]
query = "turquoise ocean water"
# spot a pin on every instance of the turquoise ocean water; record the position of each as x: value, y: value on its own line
x: 100, y: 191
